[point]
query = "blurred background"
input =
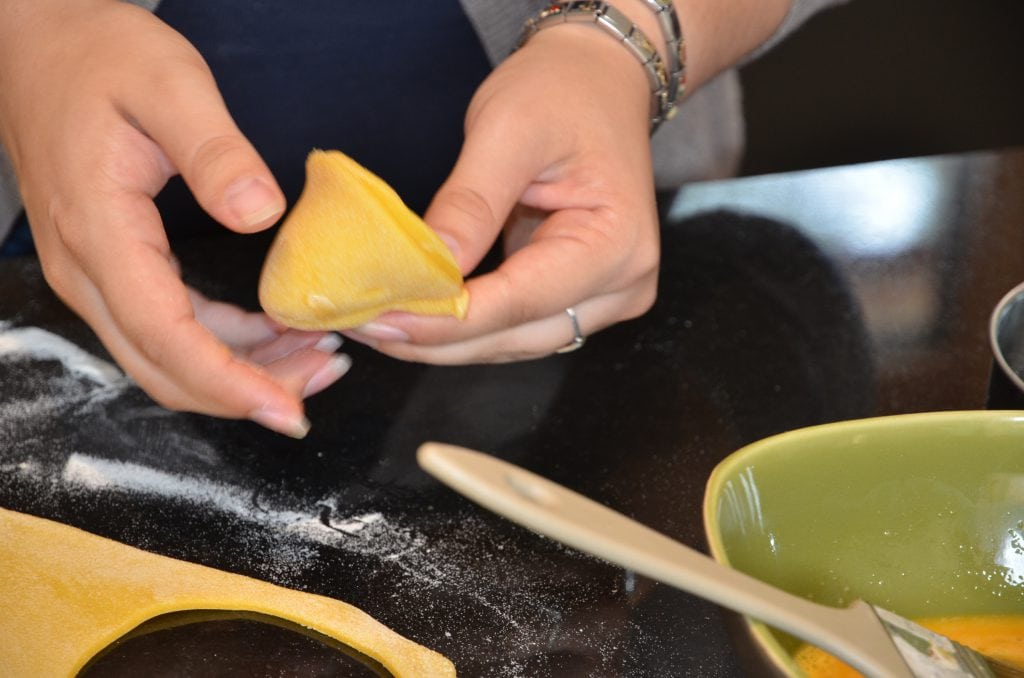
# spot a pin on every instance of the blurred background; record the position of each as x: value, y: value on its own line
x: 879, y: 79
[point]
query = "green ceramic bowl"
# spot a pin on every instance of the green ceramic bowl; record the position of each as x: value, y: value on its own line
x: 922, y: 514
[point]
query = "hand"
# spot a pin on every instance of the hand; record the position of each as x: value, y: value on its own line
x: 101, y: 103
x: 278, y: 350
x: 560, y: 129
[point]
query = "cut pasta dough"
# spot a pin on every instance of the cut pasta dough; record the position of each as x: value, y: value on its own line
x: 69, y: 594
x: 350, y: 250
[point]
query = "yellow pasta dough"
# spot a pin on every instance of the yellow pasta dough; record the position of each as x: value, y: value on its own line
x: 68, y: 594
x: 350, y: 250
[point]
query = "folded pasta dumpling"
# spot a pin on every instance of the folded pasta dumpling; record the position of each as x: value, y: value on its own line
x: 350, y: 250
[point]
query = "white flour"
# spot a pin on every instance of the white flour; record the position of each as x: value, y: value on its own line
x: 84, y: 379
x: 460, y: 557
x: 33, y: 343
x: 107, y: 475
x: 104, y: 474
x: 451, y: 564
x: 365, y: 533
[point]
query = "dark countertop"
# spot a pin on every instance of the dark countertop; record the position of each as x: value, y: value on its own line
x: 786, y: 300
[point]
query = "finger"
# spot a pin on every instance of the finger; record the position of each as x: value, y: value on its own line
x: 255, y: 335
x: 292, y: 357
x: 531, y: 340
x: 220, y: 166
x: 144, y: 315
x: 308, y: 371
x: 231, y: 324
x: 290, y: 342
x: 575, y: 254
x: 471, y: 207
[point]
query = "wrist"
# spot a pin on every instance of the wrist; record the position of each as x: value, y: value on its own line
x: 641, y: 14
x: 632, y: 39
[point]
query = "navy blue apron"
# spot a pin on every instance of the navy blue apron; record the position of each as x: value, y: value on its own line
x: 386, y: 82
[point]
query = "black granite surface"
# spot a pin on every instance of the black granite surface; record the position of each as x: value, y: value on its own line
x: 785, y: 301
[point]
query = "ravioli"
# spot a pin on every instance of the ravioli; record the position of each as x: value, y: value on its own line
x: 350, y: 249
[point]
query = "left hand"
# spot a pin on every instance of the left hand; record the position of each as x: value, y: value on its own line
x: 559, y: 129
x: 127, y: 103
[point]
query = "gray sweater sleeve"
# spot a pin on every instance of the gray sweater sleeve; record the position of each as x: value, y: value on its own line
x: 704, y: 141
x: 799, y: 12
x: 498, y: 22
x: 706, y: 138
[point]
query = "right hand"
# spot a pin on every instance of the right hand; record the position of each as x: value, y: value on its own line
x: 100, y: 104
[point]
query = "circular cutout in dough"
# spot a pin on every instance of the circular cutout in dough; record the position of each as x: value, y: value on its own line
x: 88, y: 591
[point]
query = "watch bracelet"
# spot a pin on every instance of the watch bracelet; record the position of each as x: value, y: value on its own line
x: 619, y: 26
x: 675, y: 47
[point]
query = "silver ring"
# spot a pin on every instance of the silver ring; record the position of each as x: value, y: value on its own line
x: 578, y: 339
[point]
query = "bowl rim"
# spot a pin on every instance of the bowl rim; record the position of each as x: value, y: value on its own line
x: 781, y: 661
x: 995, y: 319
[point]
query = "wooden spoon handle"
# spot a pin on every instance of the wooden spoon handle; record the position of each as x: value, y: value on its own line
x: 853, y: 634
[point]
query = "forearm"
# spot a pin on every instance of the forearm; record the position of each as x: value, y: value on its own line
x: 717, y: 33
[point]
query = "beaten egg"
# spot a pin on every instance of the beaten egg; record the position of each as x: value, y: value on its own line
x: 998, y: 636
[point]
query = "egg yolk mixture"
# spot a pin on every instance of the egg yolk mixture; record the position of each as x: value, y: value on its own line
x: 999, y: 637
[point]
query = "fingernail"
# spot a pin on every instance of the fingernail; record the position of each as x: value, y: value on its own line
x: 329, y: 343
x: 332, y: 371
x: 448, y: 240
x: 253, y: 202
x: 288, y: 424
x: 382, y: 332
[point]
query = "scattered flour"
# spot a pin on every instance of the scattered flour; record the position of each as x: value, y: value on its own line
x: 461, y: 557
x: 84, y: 380
x: 39, y: 344
x: 357, y: 523
x: 423, y: 562
x: 97, y: 474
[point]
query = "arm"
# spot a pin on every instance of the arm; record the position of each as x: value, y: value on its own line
x: 560, y: 131
x: 720, y: 34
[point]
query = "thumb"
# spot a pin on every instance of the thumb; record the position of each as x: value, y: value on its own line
x: 192, y: 125
x: 472, y: 205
